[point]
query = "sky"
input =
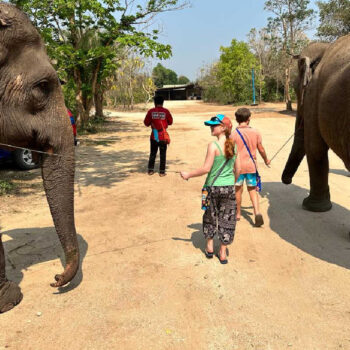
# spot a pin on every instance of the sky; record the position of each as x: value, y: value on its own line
x: 196, y: 33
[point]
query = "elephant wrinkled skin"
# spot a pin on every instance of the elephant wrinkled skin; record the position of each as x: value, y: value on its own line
x: 323, y: 117
x: 33, y: 115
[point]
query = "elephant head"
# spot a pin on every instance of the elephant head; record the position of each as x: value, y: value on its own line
x: 33, y: 115
x: 308, y: 61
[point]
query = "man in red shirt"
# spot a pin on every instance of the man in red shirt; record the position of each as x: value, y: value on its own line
x: 158, y: 118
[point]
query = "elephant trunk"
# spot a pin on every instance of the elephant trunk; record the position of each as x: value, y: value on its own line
x: 58, y: 178
x: 296, y: 154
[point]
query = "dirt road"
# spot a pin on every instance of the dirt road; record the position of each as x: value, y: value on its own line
x: 145, y: 283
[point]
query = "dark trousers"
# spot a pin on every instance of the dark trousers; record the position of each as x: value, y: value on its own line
x: 152, y: 157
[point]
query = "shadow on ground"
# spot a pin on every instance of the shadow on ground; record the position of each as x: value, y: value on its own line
x: 198, y: 240
x: 322, y: 235
x: 289, y: 113
x: 118, y: 124
x: 31, y: 246
x: 24, y: 182
x: 105, y: 167
x: 96, y: 163
x: 340, y: 172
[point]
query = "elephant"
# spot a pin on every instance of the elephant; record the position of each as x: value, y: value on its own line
x: 323, y: 117
x: 33, y: 115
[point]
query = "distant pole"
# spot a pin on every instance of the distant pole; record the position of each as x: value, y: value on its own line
x: 253, y: 79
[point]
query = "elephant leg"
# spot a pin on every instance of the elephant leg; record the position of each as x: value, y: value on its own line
x: 10, y: 293
x: 317, y: 158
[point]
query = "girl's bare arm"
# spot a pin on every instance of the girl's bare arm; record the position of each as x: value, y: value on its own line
x: 237, y: 167
x: 208, y: 163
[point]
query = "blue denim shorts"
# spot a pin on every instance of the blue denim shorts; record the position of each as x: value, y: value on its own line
x: 250, y: 180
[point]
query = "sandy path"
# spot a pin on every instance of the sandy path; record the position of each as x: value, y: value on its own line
x: 145, y: 283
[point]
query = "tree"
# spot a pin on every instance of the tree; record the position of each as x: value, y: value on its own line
x: 291, y: 19
x: 230, y: 79
x: 334, y: 19
x: 163, y: 76
x: 234, y: 71
x: 272, y: 61
x: 130, y: 83
x: 65, y: 23
x: 183, y: 80
x: 258, y: 42
x: 211, y: 84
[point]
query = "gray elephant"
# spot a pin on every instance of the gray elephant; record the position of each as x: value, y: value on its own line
x: 323, y: 117
x: 33, y: 115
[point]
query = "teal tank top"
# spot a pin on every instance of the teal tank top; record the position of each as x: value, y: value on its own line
x: 227, y: 176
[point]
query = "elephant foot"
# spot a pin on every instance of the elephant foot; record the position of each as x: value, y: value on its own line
x: 317, y: 205
x: 10, y: 296
x: 286, y: 179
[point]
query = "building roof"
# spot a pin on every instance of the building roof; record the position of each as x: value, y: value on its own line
x: 176, y: 87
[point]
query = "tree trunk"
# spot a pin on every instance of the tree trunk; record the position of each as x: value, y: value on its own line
x: 98, y: 99
x: 131, y: 93
x: 260, y: 88
x: 84, y: 103
x: 287, y: 93
x: 78, y: 97
x: 85, y: 99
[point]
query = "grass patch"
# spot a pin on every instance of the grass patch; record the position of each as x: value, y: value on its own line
x: 93, y: 126
x: 6, y: 187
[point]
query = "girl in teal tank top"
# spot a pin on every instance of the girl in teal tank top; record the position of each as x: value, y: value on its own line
x: 222, y: 167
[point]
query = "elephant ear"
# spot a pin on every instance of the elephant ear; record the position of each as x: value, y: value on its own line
x: 305, y: 70
x: 5, y: 20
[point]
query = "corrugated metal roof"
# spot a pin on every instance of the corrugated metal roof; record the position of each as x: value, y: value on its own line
x: 176, y: 86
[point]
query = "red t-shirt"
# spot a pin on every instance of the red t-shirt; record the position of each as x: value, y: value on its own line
x: 158, y: 118
x: 252, y: 137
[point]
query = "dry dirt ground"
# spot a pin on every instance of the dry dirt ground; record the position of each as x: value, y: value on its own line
x: 145, y: 283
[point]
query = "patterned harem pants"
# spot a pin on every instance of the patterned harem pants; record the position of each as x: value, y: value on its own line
x: 220, y: 216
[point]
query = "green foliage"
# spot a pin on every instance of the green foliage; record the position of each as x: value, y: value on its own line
x: 163, y: 76
x: 93, y: 126
x: 235, y: 71
x: 273, y: 90
x: 183, y: 80
x: 6, y: 187
x: 229, y: 81
x: 211, y: 85
x: 286, y: 34
x: 82, y: 36
x: 334, y: 19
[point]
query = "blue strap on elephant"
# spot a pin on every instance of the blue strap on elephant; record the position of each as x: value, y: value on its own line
x: 258, y: 177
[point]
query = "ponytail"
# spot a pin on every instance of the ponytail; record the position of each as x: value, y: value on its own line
x: 229, y: 145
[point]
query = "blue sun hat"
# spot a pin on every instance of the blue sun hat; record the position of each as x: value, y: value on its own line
x: 219, y: 119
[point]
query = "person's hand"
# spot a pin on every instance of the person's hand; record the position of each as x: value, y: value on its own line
x: 185, y: 175
x: 268, y: 162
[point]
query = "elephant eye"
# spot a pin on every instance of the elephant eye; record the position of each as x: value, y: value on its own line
x: 43, y: 85
x: 40, y: 93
